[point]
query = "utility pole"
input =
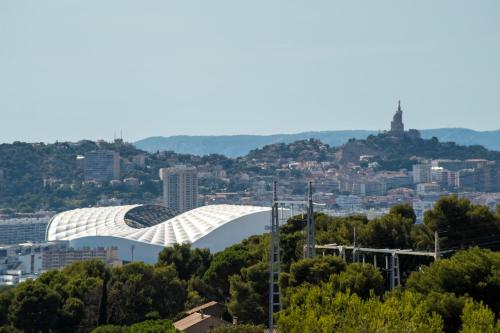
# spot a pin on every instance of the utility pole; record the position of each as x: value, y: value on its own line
x: 311, y: 245
x: 354, y: 254
x: 274, y: 262
x: 436, y: 246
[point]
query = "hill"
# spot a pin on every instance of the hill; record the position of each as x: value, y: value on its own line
x: 394, y: 153
x: 238, y: 145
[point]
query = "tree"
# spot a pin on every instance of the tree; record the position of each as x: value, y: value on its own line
x: 153, y: 326
x: 389, y: 231
x: 292, y: 245
x: 422, y: 237
x: 449, y: 307
x: 477, y: 317
x: 245, y: 328
x: 321, y: 308
x: 71, y: 315
x: 9, y: 329
x: 315, y: 270
x: 474, y: 272
x: 404, y: 210
x: 250, y: 294
x: 187, y: 261
x: 360, y: 279
x: 137, y: 291
x: 6, y: 296
x: 111, y: 329
x: 34, y: 307
x: 224, y: 264
x: 461, y: 224
x: 170, y: 292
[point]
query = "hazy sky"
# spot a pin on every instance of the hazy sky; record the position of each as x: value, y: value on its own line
x: 84, y: 69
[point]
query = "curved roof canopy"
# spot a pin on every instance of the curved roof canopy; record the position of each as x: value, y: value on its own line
x: 145, y: 223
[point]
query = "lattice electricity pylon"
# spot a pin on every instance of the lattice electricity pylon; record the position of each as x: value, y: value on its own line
x: 395, y: 275
x: 274, y: 262
x: 310, y: 243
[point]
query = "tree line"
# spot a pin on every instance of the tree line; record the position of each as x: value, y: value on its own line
x: 321, y: 294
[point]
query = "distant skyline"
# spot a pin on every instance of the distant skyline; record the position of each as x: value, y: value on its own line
x: 72, y: 70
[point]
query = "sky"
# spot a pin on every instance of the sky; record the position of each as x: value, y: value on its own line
x: 71, y: 69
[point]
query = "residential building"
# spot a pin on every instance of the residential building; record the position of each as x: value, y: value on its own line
x: 203, y: 318
x: 466, y: 180
x: 421, y: 173
x: 101, y: 166
x: 60, y: 258
x: 487, y: 178
x: 28, y: 260
x: 439, y: 175
x: 23, y: 229
x: 180, y: 188
x: 349, y: 202
x: 428, y: 188
x: 199, y: 323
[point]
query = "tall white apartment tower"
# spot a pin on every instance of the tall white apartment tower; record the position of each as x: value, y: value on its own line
x: 180, y: 187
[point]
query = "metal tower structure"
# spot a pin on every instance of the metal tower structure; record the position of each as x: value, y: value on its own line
x: 391, y: 256
x: 274, y: 262
x: 394, y: 274
x: 310, y: 243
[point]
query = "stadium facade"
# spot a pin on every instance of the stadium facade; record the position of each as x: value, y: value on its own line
x: 140, y: 232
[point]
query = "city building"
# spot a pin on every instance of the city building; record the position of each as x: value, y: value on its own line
x: 466, y: 180
x: 23, y: 229
x: 101, y: 166
x: 140, y: 232
x: 421, y: 173
x: 350, y: 203
x: 428, y: 188
x: 60, y: 258
x: 439, y: 175
x: 180, y: 188
x: 28, y: 260
x: 420, y: 206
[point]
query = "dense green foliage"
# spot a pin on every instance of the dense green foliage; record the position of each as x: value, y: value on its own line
x: 27, y: 165
x: 321, y: 308
x: 245, y: 328
x: 187, y: 262
x: 461, y: 224
x: 395, y: 153
x: 87, y: 294
x: 322, y: 294
x: 475, y: 273
x: 149, y: 326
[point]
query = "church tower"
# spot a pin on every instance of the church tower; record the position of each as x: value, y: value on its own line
x: 397, y: 126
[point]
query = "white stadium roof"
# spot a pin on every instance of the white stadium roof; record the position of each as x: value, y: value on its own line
x: 141, y: 231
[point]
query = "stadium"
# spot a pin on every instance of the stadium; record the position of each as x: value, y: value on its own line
x: 141, y: 231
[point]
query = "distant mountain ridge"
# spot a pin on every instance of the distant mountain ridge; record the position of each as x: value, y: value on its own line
x: 238, y: 145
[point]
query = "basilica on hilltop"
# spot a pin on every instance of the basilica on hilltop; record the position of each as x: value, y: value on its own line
x: 398, y: 127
